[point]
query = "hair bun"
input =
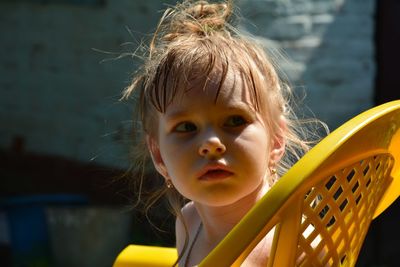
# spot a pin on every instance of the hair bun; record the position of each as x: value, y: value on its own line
x: 198, y: 17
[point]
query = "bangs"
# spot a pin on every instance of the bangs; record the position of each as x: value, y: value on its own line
x: 197, y: 65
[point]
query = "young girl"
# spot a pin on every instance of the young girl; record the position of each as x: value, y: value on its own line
x: 216, y: 123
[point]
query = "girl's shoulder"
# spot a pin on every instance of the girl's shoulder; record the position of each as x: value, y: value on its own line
x: 190, y: 215
x: 185, y: 223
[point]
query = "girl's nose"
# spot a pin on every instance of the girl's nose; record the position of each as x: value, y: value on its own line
x: 212, y: 147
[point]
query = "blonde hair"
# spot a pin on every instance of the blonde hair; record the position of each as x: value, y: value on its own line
x: 196, y: 40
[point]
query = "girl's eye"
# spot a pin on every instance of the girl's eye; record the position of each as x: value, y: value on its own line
x: 185, y: 127
x: 235, y: 121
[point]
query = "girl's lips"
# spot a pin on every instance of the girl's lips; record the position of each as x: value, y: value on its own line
x: 215, y: 173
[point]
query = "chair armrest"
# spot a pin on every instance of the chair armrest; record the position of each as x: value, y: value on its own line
x: 146, y: 256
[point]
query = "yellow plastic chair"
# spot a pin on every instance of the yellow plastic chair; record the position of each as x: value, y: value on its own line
x: 321, y: 208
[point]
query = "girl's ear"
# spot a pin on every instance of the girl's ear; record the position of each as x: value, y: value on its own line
x: 278, y: 144
x: 155, y: 154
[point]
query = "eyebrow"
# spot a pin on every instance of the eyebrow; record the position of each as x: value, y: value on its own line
x: 176, y: 114
x: 240, y: 107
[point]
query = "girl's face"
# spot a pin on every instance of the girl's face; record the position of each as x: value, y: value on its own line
x: 215, y: 153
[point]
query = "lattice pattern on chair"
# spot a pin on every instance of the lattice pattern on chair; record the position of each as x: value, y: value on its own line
x: 336, y: 208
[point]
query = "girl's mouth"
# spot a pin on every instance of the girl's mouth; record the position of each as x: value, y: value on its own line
x: 215, y: 175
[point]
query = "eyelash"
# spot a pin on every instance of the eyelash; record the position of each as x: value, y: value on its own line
x: 234, y: 121
x: 183, y: 124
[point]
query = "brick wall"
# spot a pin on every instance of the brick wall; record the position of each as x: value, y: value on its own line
x: 58, y: 97
x: 329, y: 50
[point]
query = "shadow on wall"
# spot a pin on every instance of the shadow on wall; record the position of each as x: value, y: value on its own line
x: 64, y: 128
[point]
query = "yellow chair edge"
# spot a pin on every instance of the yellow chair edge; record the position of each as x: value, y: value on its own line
x: 146, y: 256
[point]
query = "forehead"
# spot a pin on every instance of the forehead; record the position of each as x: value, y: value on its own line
x: 218, y: 88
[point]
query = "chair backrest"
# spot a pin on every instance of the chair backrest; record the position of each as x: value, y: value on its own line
x: 322, y: 207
